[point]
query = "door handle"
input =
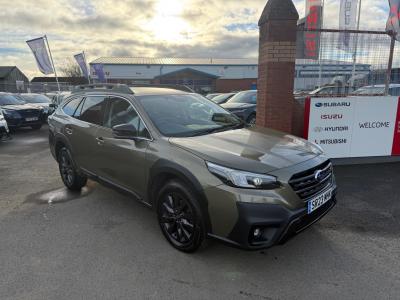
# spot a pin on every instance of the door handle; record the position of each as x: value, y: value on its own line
x: 68, y: 130
x: 100, y: 141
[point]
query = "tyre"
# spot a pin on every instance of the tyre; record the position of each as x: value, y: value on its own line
x: 251, y: 120
x: 36, y: 127
x: 71, y: 178
x: 179, y: 217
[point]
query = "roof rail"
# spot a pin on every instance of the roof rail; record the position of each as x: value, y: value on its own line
x: 118, y: 88
x: 178, y: 87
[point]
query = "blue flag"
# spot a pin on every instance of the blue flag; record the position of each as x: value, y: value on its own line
x: 80, y: 59
x: 98, y: 68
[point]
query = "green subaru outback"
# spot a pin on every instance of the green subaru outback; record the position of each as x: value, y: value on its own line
x: 204, y: 172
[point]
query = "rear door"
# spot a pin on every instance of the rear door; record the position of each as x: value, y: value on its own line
x: 81, y: 132
x: 122, y: 161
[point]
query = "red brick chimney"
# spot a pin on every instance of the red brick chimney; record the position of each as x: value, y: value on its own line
x: 276, y: 66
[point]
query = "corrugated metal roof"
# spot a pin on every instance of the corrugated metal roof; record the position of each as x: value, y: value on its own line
x: 174, y: 61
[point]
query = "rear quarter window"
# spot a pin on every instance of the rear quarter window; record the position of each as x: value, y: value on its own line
x: 71, y: 106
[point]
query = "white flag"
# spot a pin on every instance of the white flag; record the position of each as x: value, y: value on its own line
x: 39, y: 50
x: 348, y: 14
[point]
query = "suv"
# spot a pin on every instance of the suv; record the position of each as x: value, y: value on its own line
x: 204, y: 172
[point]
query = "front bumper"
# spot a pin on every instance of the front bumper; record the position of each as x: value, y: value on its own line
x: 277, y: 221
x: 15, y: 123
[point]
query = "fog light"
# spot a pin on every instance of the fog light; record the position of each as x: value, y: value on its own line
x: 257, y: 233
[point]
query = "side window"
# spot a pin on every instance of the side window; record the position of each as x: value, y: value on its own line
x: 70, y: 108
x: 122, y: 112
x: 253, y: 98
x: 93, y: 110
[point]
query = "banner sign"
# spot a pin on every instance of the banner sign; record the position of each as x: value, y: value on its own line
x: 39, y: 50
x: 347, y: 21
x: 313, y: 21
x: 98, y: 68
x: 393, y: 23
x: 354, y: 126
x: 80, y: 59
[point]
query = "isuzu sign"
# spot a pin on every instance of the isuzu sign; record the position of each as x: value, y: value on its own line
x: 354, y: 126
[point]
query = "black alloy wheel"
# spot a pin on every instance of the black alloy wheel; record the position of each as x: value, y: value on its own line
x: 252, y: 120
x: 72, y: 180
x: 179, y: 218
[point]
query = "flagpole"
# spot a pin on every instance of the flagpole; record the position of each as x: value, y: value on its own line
x: 84, y: 57
x: 320, y: 44
x: 52, y: 62
x: 356, y: 44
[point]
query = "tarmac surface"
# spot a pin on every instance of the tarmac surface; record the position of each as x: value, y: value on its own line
x: 100, y: 244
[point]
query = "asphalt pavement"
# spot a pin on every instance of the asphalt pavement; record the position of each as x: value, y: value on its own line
x: 99, y: 244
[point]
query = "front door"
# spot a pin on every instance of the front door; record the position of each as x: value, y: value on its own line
x: 123, y: 161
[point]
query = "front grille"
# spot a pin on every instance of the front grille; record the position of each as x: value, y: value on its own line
x: 306, y: 184
x: 30, y: 113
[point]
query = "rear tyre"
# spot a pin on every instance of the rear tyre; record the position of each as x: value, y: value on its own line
x: 36, y: 127
x: 70, y: 177
x: 180, y: 218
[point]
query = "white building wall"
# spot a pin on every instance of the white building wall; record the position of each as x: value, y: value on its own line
x: 151, y: 71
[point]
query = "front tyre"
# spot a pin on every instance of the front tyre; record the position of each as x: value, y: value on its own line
x: 71, y: 178
x: 179, y: 217
x: 251, y: 120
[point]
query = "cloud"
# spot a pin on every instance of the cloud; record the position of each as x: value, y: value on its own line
x: 218, y: 28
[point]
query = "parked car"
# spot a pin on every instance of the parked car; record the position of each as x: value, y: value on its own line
x: 204, y: 172
x: 378, y: 90
x: 18, y: 114
x: 243, y: 105
x: 59, y: 97
x: 211, y: 96
x: 326, y: 91
x: 39, y: 101
x: 4, y: 131
x: 223, y: 98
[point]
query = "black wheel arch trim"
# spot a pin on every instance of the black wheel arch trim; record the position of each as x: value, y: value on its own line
x: 166, y: 167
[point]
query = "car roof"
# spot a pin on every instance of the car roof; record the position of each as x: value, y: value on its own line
x: 142, y: 91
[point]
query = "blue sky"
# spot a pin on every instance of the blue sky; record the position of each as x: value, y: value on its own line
x: 163, y: 28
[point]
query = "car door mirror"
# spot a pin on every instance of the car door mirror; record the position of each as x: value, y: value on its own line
x: 125, y: 131
x: 52, y: 105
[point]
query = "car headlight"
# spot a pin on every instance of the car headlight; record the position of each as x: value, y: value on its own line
x: 11, y: 113
x: 318, y: 148
x: 243, y: 179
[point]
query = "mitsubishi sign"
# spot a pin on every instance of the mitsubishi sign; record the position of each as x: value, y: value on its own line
x: 354, y: 126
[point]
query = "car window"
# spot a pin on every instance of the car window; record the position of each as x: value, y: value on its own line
x: 186, y: 115
x: 34, y: 98
x: 244, y: 97
x: 9, y: 100
x: 122, y: 112
x: 93, y: 110
x: 70, y: 108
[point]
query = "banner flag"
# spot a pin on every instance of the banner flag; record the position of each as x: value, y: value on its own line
x: 80, y: 59
x: 98, y: 68
x: 393, y: 23
x: 308, y: 46
x: 39, y: 50
x: 347, y: 21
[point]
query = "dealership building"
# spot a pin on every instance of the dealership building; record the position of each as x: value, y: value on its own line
x: 210, y: 75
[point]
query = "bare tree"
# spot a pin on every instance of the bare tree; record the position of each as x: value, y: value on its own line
x: 71, y: 69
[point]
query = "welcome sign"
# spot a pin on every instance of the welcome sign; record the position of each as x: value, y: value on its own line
x: 354, y: 126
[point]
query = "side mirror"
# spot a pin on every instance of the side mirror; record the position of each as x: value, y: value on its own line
x: 125, y: 131
x: 52, y: 105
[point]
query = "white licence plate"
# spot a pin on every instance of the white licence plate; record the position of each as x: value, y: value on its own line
x: 31, y: 119
x: 319, y: 200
